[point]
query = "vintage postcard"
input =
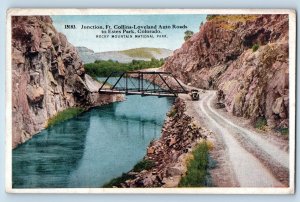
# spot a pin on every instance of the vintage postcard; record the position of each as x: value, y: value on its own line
x: 183, y: 101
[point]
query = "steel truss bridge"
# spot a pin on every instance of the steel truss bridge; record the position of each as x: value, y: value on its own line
x: 144, y: 83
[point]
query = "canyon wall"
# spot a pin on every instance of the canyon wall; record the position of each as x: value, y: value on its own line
x: 244, y: 56
x: 47, y: 77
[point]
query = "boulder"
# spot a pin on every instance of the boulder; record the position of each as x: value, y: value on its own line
x: 277, y: 106
x: 17, y: 56
x: 46, y: 42
x: 172, y: 171
x: 150, y: 150
x: 35, y: 94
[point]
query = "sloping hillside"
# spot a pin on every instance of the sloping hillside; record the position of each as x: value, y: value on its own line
x: 124, y: 56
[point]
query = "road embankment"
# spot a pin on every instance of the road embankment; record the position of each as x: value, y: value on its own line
x: 166, y: 159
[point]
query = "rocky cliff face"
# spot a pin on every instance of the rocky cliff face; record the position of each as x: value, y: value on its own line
x: 47, y: 76
x: 246, y: 57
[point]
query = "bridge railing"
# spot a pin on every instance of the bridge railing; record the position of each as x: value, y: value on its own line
x: 142, y: 83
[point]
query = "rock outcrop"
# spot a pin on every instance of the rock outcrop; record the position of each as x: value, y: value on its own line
x: 244, y: 56
x: 47, y: 76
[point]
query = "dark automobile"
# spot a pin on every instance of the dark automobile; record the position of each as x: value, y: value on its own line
x: 194, y: 94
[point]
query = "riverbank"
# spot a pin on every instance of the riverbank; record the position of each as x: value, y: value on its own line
x: 64, y: 115
x: 167, y: 158
x: 92, y: 148
x: 72, y: 112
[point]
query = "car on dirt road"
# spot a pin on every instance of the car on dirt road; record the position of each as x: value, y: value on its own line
x: 194, y: 93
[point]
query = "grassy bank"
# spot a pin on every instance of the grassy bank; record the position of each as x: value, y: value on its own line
x: 141, y: 52
x: 64, y: 115
x: 197, y: 168
x: 102, y: 68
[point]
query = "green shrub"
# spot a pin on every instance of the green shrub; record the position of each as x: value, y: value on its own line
x: 197, y: 169
x: 64, y: 115
x: 261, y: 122
x: 283, y: 131
x: 188, y: 34
x: 105, y: 68
x: 255, y: 47
x: 143, y: 165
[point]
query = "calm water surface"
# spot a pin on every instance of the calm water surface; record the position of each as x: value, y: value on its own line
x: 91, y: 149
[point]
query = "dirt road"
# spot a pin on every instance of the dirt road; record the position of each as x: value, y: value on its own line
x: 245, y: 158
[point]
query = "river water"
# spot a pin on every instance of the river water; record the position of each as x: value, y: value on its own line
x: 92, y: 148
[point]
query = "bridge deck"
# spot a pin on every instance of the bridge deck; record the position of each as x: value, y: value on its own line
x: 159, y: 94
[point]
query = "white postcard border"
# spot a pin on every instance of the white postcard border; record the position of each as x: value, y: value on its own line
x: 213, y: 190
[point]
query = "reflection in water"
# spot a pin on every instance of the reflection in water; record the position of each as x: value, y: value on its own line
x: 50, y: 156
x: 91, y: 149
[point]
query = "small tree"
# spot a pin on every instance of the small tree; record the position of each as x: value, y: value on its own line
x: 188, y: 34
x: 201, y: 24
